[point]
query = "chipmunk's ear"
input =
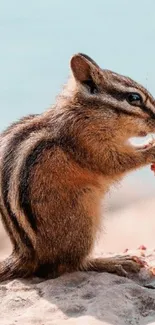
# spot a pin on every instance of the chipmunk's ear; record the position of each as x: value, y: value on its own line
x: 83, y: 69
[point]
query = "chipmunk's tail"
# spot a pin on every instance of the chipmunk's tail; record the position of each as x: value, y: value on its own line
x: 16, y: 267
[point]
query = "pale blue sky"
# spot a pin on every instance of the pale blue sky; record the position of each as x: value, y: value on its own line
x: 37, y: 39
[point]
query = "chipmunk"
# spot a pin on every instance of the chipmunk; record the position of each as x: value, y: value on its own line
x: 55, y: 168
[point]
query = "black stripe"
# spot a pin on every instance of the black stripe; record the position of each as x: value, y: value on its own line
x: 31, y: 160
x: 8, y: 229
x: 123, y: 111
x: 7, y: 170
x: 23, y: 236
x: 147, y: 110
x: 68, y: 145
x: 120, y: 96
x: 20, y: 122
x: 119, y: 110
x: 125, y: 81
x: 117, y: 94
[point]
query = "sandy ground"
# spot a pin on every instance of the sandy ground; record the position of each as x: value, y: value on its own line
x: 90, y: 298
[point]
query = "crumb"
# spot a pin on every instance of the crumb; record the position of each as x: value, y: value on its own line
x: 142, y: 247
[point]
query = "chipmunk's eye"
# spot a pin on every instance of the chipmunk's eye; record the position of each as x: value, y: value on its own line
x: 134, y: 99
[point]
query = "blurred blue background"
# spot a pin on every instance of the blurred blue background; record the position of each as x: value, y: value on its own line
x: 39, y: 37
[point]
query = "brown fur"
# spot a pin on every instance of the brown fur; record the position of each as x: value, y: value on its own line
x: 55, y: 168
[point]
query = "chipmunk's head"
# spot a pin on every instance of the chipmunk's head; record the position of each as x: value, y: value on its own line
x: 109, y: 97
